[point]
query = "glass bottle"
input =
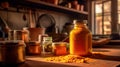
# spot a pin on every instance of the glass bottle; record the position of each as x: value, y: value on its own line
x: 80, y: 39
x: 25, y: 35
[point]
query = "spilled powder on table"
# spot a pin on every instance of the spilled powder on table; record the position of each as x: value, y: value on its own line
x: 69, y: 59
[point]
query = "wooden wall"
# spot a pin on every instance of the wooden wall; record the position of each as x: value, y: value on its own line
x: 14, y: 18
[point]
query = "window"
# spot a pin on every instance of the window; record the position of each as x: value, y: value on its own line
x: 102, y: 15
x: 118, y: 11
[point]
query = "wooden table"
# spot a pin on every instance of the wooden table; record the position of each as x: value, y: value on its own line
x: 111, y: 58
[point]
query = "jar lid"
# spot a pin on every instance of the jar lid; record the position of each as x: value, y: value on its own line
x: 12, y: 42
x: 59, y: 43
x: 47, y: 38
x: 33, y: 43
x: 79, y: 21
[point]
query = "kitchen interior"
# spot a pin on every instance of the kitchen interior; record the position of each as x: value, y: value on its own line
x: 69, y: 33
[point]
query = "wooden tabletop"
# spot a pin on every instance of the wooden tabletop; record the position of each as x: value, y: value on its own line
x: 110, y: 58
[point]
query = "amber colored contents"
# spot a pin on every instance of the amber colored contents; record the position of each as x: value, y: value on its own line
x: 80, y: 40
x: 25, y: 35
x: 33, y: 48
x: 59, y: 48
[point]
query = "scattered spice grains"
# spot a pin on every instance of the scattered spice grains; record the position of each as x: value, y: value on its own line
x: 68, y: 59
x: 75, y: 58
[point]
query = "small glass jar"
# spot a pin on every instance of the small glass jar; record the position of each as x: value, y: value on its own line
x: 47, y: 45
x: 15, y: 35
x: 59, y: 48
x: 25, y: 35
x: 33, y: 48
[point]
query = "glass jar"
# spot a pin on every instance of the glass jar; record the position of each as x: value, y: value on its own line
x: 25, y: 35
x: 12, y: 52
x: 80, y: 39
x: 15, y: 35
x: 47, y: 45
x: 33, y: 48
x: 59, y: 48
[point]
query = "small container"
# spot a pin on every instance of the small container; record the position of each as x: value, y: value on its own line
x: 75, y: 2
x: 77, y: 7
x: 47, y: 45
x: 53, y: 2
x: 69, y: 5
x: 81, y: 7
x: 25, y: 35
x: 12, y: 52
x: 33, y: 48
x: 59, y: 48
x: 15, y: 35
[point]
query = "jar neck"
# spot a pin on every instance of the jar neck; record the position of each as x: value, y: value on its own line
x: 79, y: 25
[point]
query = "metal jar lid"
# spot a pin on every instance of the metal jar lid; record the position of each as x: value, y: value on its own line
x: 59, y: 44
x: 33, y: 43
x: 12, y: 43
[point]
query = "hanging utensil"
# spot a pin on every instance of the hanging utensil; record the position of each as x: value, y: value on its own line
x: 46, y: 21
x: 32, y: 24
x: 24, y: 15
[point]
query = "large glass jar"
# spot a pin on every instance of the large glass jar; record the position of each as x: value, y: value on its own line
x: 80, y: 39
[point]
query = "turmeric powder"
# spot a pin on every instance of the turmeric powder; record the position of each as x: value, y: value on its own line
x: 68, y: 59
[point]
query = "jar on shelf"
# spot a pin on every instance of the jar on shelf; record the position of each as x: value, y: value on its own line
x: 80, y: 39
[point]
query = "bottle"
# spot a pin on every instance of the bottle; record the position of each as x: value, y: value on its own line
x: 80, y: 39
x: 26, y: 35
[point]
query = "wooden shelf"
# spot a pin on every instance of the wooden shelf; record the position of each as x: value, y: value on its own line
x: 47, y: 6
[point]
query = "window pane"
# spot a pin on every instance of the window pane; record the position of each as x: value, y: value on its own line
x: 118, y: 18
x: 107, y: 25
x: 107, y: 7
x: 118, y: 4
x: 98, y: 8
x: 103, y: 18
x: 118, y: 11
x: 98, y: 24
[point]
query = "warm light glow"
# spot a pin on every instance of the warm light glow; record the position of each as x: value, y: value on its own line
x: 98, y: 8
